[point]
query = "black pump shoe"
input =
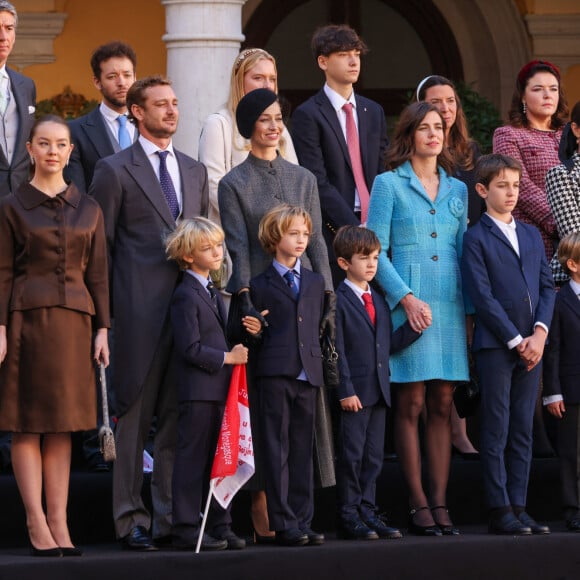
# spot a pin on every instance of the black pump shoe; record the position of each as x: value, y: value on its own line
x: 418, y: 530
x: 446, y: 529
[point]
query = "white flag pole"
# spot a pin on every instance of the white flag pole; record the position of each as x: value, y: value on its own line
x: 204, y: 520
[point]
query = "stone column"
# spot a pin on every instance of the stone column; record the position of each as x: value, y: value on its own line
x: 203, y: 38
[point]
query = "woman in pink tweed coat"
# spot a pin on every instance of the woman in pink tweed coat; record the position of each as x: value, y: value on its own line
x: 537, y: 115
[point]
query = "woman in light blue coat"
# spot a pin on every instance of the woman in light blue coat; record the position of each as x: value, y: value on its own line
x: 420, y: 214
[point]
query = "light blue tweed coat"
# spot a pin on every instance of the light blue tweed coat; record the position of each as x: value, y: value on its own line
x: 425, y: 239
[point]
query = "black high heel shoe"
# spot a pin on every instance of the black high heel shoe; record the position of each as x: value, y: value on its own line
x: 446, y: 529
x: 418, y: 530
x: 74, y: 551
x: 46, y: 553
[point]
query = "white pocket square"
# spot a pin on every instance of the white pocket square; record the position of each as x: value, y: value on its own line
x: 31, y: 109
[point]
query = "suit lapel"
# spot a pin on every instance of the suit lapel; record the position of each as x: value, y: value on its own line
x: 495, y: 231
x: 97, y: 133
x: 567, y: 295
x: 205, y: 297
x: 331, y: 117
x: 357, y: 304
x: 363, y: 127
x: 142, y: 171
x: 187, y: 184
x: 276, y: 280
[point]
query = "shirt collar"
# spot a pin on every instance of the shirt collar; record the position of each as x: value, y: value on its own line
x: 357, y: 289
x: 281, y: 269
x: 108, y: 113
x: 203, y: 281
x: 503, y: 225
x: 338, y: 101
x: 151, y: 148
x: 575, y: 287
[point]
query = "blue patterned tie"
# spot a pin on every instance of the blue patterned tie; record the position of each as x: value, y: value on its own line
x: 291, y: 281
x: 167, y: 184
x: 124, y: 137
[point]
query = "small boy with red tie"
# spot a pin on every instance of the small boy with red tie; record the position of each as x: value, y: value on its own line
x: 364, y: 339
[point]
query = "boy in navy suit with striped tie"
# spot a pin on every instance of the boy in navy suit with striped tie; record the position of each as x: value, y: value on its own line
x: 561, y: 373
x: 287, y: 367
x: 364, y: 339
x: 203, y: 364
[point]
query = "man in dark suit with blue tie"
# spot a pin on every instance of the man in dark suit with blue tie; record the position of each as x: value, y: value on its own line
x: 510, y: 285
x: 364, y: 340
x: 142, y: 191
x: 340, y: 136
x: 104, y: 130
x: 17, y: 107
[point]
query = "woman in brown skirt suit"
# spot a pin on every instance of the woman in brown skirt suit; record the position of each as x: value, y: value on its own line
x: 53, y: 290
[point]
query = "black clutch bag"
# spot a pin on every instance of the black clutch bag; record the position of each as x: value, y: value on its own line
x: 466, y: 395
x: 329, y: 362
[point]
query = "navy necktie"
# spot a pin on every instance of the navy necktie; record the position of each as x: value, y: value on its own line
x: 124, y: 137
x: 291, y: 281
x: 167, y: 184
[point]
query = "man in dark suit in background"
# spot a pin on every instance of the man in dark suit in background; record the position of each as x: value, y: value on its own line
x: 340, y: 136
x: 17, y: 107
x: 142, y: 191
x: 104, y: 130
x: 98, y: 134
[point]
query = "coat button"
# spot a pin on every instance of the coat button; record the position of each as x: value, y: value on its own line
x: 432, y: 211
x: 434, y: 258
x: 379, y: 365
x: 300, y: 319
x: 434, y: 235
x: 301, y: 345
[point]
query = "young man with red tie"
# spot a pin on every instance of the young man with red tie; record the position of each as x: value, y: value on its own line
x: 340, y: 136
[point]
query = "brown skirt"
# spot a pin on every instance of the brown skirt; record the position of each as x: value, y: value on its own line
x: 47, y: 382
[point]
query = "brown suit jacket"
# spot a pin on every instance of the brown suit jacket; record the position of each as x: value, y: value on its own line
x: 53, y: 254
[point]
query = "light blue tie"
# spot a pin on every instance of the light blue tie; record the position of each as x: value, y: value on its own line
x: 124, y: 137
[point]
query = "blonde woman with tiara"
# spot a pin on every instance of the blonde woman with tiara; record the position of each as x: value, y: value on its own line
x: 221, y: 148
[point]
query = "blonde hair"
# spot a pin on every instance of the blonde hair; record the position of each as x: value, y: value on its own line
x: 246, y: 61
x: 277, y: 222
x: 569, y: 249
x: 188, y: 236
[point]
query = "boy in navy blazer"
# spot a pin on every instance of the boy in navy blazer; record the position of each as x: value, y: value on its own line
x: 287, y: 366
x: 562, y: 378
x: 364, y: 339
x: 510, y: 285
x: 203, y: 362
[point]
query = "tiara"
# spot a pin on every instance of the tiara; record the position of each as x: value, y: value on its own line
x: 244, y: 55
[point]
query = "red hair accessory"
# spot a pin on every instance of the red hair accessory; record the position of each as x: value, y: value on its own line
x: 524, y: 73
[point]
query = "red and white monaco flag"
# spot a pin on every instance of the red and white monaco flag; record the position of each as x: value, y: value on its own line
x: 233, y: 464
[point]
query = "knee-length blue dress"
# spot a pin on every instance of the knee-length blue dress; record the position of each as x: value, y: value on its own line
x: 425, y: 240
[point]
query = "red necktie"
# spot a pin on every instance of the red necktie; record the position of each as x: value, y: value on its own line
x: 370, y: 307
x: 356, y: 161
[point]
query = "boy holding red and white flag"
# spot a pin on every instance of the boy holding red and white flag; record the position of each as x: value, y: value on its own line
x: 203, y: 367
